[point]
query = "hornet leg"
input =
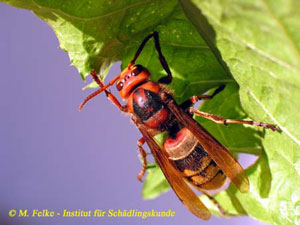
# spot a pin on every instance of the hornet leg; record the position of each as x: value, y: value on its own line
x: 221, y: 120
x: 217, y: 204
x: 143, y: 153
x: 192, y: 100
x: 109, y: 95
x: 167, y: 79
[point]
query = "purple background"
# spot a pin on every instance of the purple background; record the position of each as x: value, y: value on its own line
x: 53, y: 157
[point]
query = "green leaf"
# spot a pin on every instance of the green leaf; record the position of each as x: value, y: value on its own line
x: 98, y: 33
x: 194, y: 67
x: 260, y: 42
x: 255, y: 41
x: 155, y: 183
x: 227, y: 105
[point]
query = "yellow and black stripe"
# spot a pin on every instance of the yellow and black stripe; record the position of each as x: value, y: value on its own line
x: 199, y: 169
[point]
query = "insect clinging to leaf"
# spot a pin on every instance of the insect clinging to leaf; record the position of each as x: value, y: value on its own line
x: 189, y: 154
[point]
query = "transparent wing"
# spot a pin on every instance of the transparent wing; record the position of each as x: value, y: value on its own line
x: 176, y: 181
x: 222, y: 157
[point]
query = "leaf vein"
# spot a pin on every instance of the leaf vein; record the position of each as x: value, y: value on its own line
x: 283, y: 29
x: 91, y: 18
x: 272, y: 118
x: 254, y: 48
x: 185, y: 46
x: 271, y: 73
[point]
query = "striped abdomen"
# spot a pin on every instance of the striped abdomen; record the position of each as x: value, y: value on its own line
x: 193, y: 162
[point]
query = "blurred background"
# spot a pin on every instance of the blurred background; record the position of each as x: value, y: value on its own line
x: 53, y: 157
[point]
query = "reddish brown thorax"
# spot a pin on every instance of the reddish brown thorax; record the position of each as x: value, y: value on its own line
x: 142, y: 96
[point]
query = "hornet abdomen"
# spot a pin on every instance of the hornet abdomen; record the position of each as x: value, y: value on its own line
x: 192, y: 161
